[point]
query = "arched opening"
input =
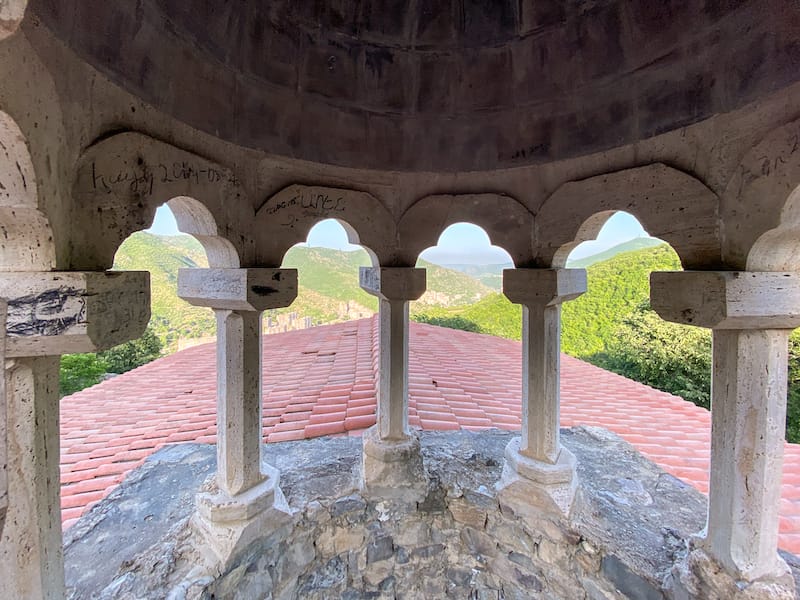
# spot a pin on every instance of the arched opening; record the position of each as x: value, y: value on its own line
x: 464, y: 281
x: 327, y: 266
x: 183, y: 235
x: 612, y: 326
x: 456, y: 379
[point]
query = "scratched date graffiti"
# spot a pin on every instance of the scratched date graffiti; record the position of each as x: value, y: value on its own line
x: 142, y: 177
x: 52, y: 312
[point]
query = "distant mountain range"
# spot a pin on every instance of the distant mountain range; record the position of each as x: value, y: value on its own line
x: 329, y: 290
x: 492, y: 275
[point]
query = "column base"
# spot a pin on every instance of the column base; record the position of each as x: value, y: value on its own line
x: 530, y: 486
x: 225, y: 525
x: 699, y: 577
x: 392, y: 469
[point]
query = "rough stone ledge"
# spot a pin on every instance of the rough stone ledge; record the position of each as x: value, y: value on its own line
x: 626, y: 531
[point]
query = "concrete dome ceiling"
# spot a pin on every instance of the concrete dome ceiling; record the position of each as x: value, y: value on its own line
x: 435, y: 85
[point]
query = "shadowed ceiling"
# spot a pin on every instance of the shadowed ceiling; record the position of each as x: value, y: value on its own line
x: 448, y: 85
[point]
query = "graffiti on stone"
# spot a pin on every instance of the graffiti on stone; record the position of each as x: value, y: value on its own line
x: 142, y: 177
x: 48, y: 313
x: 315, y: 203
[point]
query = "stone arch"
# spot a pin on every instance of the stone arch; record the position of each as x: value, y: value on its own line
x: 507, y: 222
x: 779, y: 249
x: 122, y: 180
x: 11, y: 14
x: 761, y: 205
x: 26, y: 239
x: 285, y: 219
x: 670, y: 204
x: 196, y: 220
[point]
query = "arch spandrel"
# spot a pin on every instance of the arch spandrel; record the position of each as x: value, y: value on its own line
x: 285, y: 219
x: 506, y: 221
x: 26, y: 238
x: 670, y: 204
x: 759, y: 207
x: 122, y: 180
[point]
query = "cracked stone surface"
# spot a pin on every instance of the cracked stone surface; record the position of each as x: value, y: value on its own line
x: 629, y: 526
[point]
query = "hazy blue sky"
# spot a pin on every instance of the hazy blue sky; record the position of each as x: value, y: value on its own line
x: 459, y: 243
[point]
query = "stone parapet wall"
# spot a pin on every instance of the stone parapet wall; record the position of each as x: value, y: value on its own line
x: 626, y: 531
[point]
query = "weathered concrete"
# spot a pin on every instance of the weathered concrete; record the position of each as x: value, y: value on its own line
x: 66, y: 312
x: 748, y: 412
x: 621, y: 542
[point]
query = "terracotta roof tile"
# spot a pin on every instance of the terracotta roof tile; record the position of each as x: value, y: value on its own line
x: 321, y: 381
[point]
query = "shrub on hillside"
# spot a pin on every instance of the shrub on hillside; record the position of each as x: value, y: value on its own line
x: 79, y: 371
x: 451, y: 322
x: 670, y: 357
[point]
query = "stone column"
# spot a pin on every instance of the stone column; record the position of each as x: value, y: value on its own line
x: 392, y: 464
x: 247, y: 500
x: 751, y: 315
x: 51, y: 314
x: 3, y: 424
x: 537, y: 465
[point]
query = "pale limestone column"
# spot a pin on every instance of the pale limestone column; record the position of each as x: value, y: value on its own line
x: 751, y: 315
x: 392, y: 463
x: 238, y: 400
x: 50, y: 314
x: 537, y: 465
x: 3, y: 424
x: 247, y: 499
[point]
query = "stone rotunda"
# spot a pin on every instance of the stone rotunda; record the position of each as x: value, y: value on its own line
x: 535, y: 119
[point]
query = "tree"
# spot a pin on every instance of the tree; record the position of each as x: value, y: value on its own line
x: 79, y: 371
x: 451, y: 322
x: 132, y: 354
x: 670, y: 357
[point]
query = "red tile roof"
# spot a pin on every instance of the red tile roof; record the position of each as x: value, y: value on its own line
x: 321, y: 381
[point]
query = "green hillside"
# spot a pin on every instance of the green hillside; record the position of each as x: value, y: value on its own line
x: 615, y: 288
x: 327, y: 281
x: 641, y: 243
x: 172, y: 318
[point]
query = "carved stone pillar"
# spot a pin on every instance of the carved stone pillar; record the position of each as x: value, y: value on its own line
x: 751, y: 315
x: 3, y: 424
x: 537, y: 465
x: 392, y: 464
x: 51, y: 314
x: 247, y: 499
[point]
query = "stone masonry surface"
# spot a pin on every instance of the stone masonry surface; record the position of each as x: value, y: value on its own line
x: 629, y: 526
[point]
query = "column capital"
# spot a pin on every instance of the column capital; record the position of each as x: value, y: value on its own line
x: 393, y: 283
x: 52, y: 313
x: 238, y: 289
x: 727, y: 299
x: 546, y: 287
